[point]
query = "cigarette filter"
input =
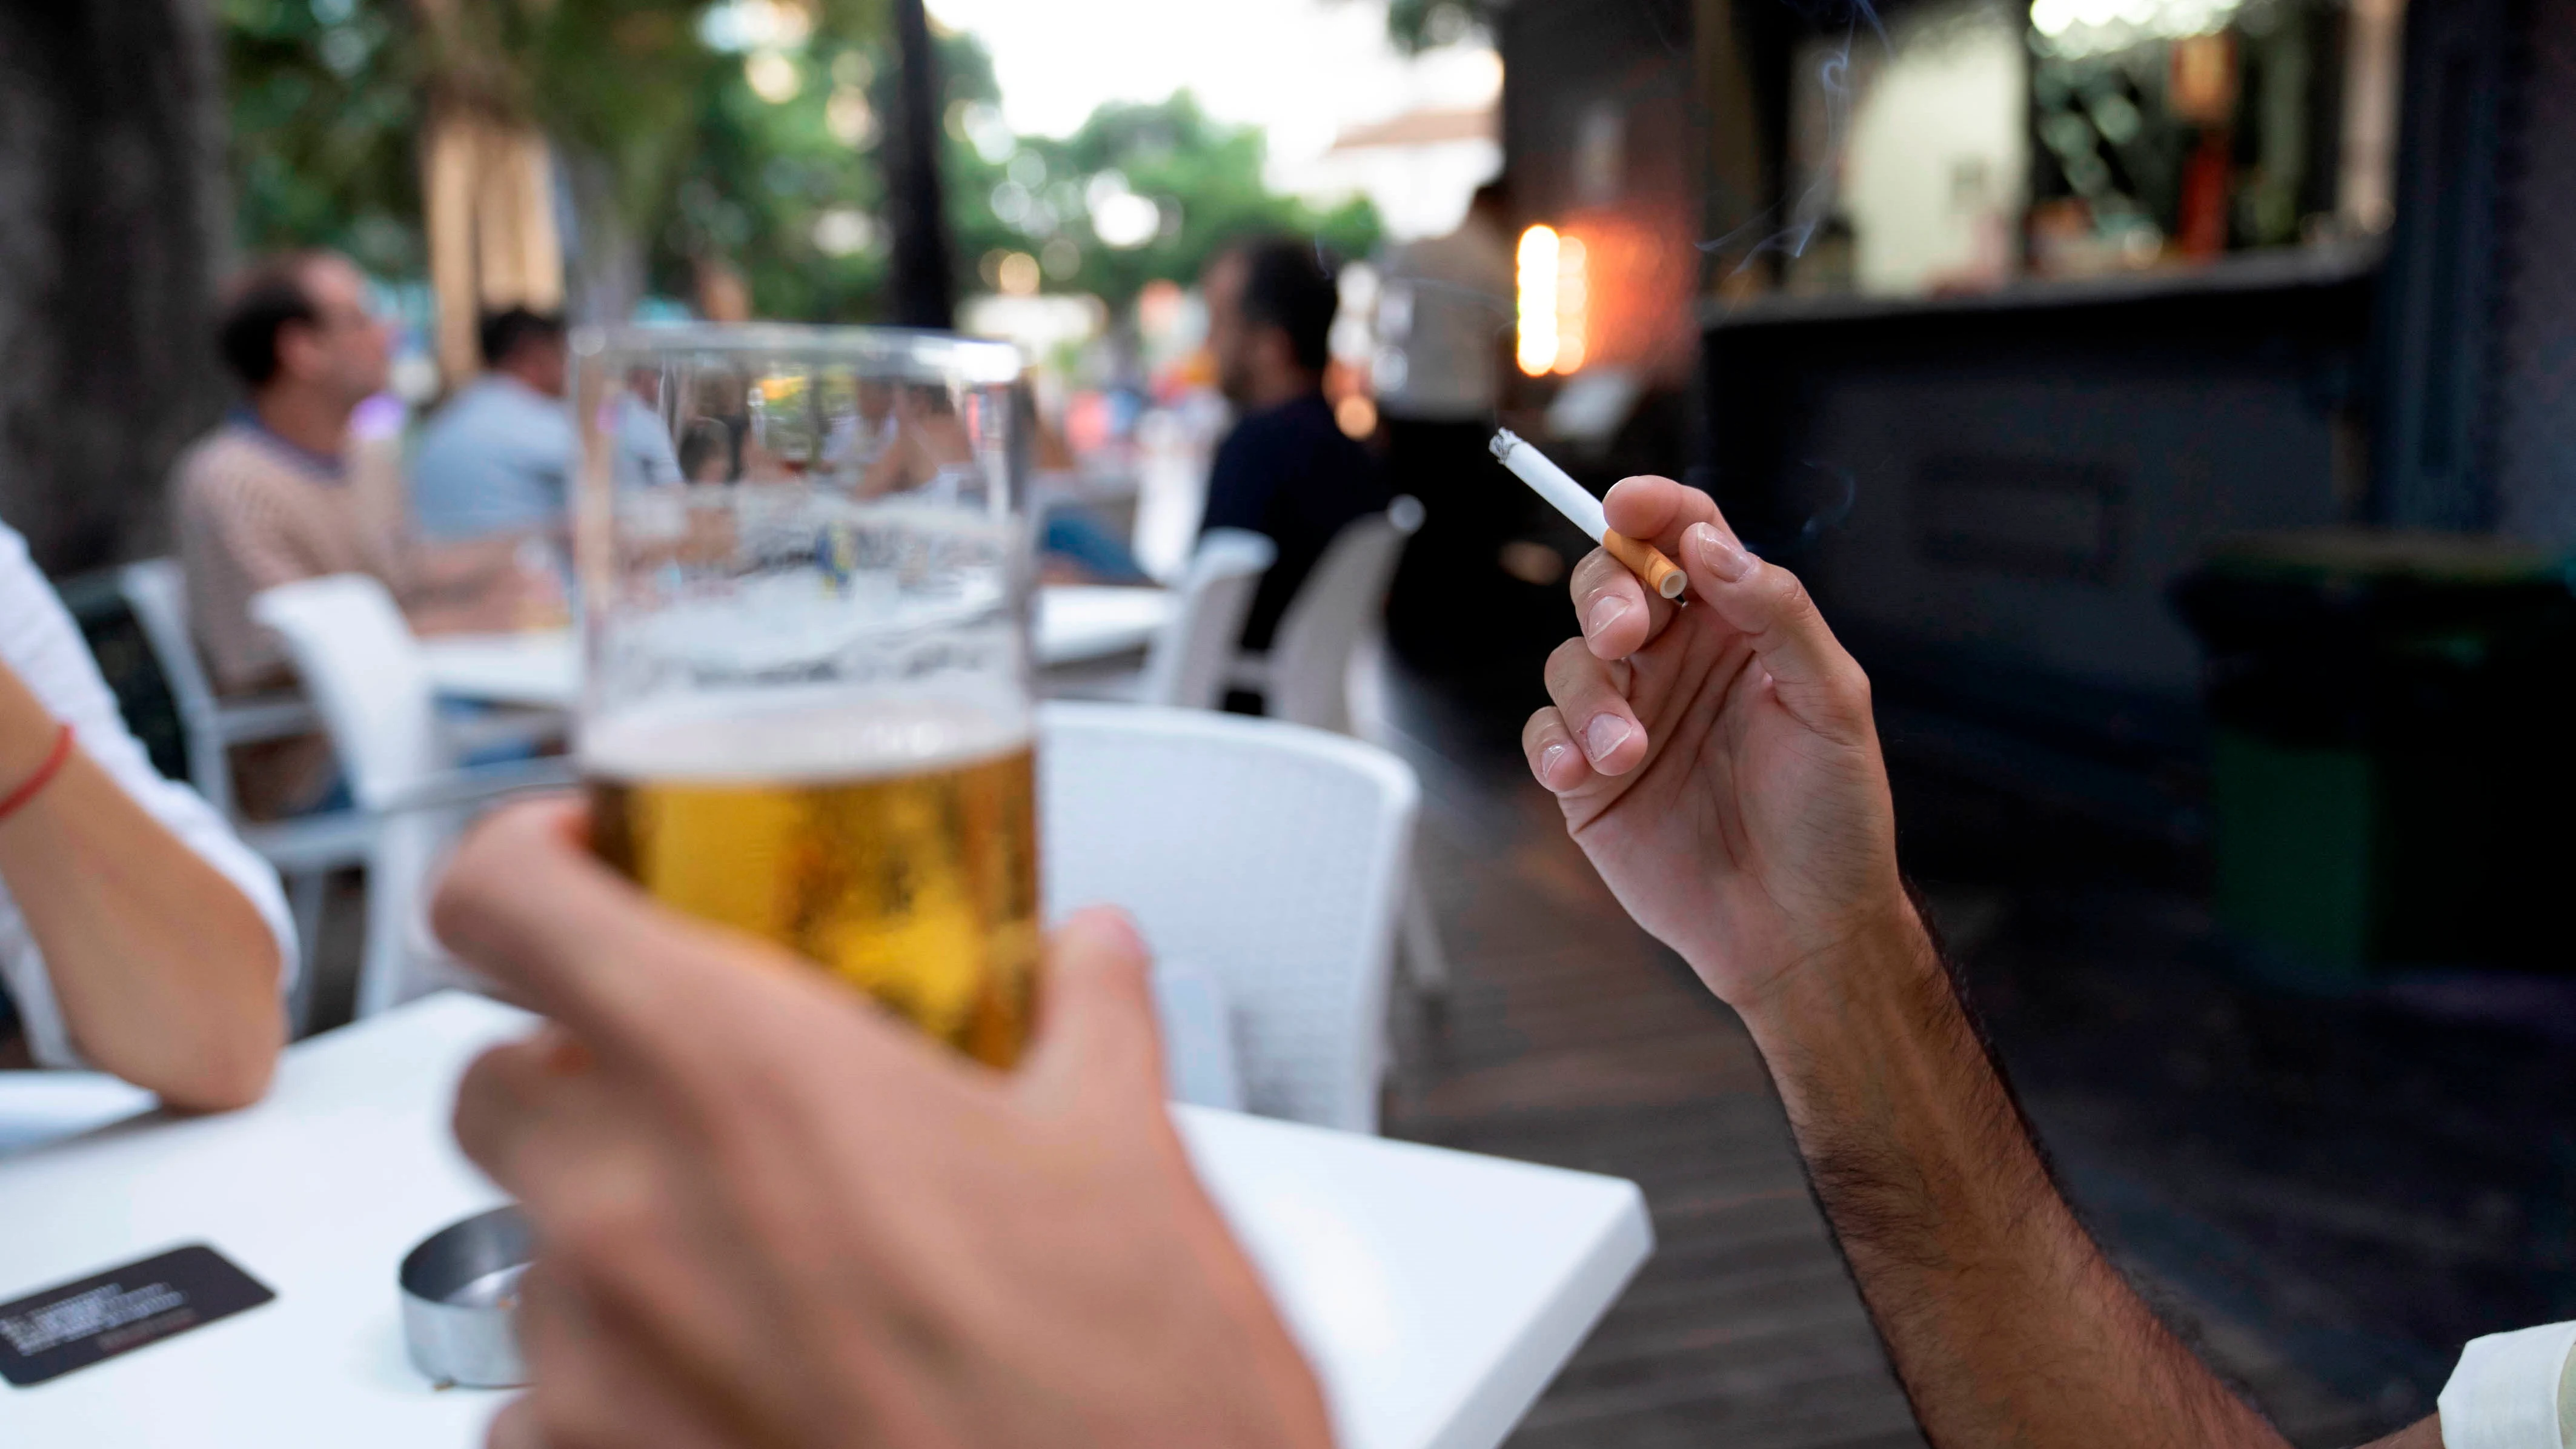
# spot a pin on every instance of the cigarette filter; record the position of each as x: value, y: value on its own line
x: 1584, y: 511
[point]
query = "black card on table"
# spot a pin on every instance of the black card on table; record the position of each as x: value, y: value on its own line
x: 49, y: 1334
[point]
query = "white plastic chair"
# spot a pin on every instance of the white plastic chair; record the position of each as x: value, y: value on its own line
x: 1192, y: 655
x: 1305, y: 679
x: 1330, y: 636
x: 1268, y: 856
x: 362, y: 669
x: 304, y: 851
x: 158, y: 594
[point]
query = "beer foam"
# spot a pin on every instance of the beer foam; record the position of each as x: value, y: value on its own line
x: 791, y: 736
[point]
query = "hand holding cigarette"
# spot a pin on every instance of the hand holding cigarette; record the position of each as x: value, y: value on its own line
x: 1584, y: 511
x: 1718, y: 763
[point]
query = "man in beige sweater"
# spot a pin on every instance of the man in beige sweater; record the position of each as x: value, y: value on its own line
x: 283, y: 491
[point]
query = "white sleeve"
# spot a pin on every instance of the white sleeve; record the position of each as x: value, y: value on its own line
x: 2513, y: 1391
x: 41, y: 644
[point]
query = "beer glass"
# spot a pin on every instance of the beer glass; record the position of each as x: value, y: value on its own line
x: 806, y: 708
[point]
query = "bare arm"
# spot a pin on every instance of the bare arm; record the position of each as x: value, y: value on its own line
x: 1719, y: 764
x: 165, y: 973
x: 2004, y: 1320
x: 469, y: 586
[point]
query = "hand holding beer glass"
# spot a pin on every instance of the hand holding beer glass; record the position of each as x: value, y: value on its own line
x: 807, y: 712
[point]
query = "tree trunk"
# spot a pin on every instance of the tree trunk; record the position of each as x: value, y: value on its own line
x: 113, y: 222
x: 604, y: 265
x: 924, y: 281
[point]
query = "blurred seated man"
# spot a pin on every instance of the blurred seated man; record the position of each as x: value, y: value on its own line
x: 706, y: 452
x: 645, y: 456
x: 137, y: 935
x: 1286, y: 470
x: 928, y: 439
x: 283, y: 491
x: 498, y: 458
x: 1029, y: 1260
x: 860, y: 437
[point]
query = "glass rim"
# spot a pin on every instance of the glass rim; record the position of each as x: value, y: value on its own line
x: 920, y: 354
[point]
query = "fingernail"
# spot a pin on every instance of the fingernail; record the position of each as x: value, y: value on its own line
x: 1718, y: 553
x: 1605, y: 612
x: 1548, y: 761
x: 1606, y: 733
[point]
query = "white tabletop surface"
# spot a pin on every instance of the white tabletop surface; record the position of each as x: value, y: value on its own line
x: 542, y: 668
x: 1437, y: 1292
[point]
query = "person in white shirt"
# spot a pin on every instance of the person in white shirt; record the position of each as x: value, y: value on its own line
x: 138, y: 935
x: 1444, y: 320
x: 1718, y: 763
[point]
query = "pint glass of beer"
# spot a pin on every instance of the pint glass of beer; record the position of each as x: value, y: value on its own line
x: 806, y: 708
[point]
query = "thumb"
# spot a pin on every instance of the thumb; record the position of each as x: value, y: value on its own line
x: 1819, y: 683
x: 1097, y: 1031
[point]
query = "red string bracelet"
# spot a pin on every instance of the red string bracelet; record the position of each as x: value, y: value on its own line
x: 53, y: 765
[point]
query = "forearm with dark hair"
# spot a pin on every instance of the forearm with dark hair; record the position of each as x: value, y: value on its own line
x: 2005, y: 1322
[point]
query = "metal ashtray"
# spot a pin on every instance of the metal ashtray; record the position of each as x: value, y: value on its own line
x: 460, y: 1295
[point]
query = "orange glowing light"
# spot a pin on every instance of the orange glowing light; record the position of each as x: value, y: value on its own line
x: 1539, y: 275
x: 1573, y: 303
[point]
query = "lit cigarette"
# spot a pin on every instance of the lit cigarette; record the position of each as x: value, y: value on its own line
x: 1584, y: 511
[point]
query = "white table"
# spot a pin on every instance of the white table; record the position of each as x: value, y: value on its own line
x: 1076, y: 622
x: 1436, y: 1292
x: 542, y: 668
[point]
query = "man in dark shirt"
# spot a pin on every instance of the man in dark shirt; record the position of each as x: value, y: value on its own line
x: 1286, y: 470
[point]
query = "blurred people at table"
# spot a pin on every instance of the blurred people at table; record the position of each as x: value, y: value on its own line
x: 1717, y: 762
x: 645, y: 455
x: 1444, y: 318
x: 283, y: 491
x: 497, y: 459
x: 862, y: 436
x: 929, y: 440
x: 706, y: 452
x: 138, y: 935
x: 1286, y: 470
x: 1077, y: 543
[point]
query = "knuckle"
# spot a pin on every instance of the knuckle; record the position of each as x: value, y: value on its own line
x: 1565, y: 664
x: 1858, y: 687
x: 489, y: 1112
x: 1587, y: 577
x: 1790, y: 596
x: 571, y: 1410
x: 601, y: 1229
x: 452, y: 903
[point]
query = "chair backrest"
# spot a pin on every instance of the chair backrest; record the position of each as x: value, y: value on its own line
x: 1193, y: 656
x: 1341, y: 603
x: 157, y: 592
x: 1269, y: 856
x: 363, y: 670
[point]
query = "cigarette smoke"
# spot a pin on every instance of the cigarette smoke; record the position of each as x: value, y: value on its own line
x: 1808, y: 211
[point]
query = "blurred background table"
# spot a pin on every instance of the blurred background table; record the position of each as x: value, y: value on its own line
x: 1437, y: 1292
x: 542, y: 668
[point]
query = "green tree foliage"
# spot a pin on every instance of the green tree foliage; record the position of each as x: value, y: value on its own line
x: 778, y: 179
x: 325, y: 101
x: 1202, y: 176
x: 1418, y: 25
x: 788, y: 191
